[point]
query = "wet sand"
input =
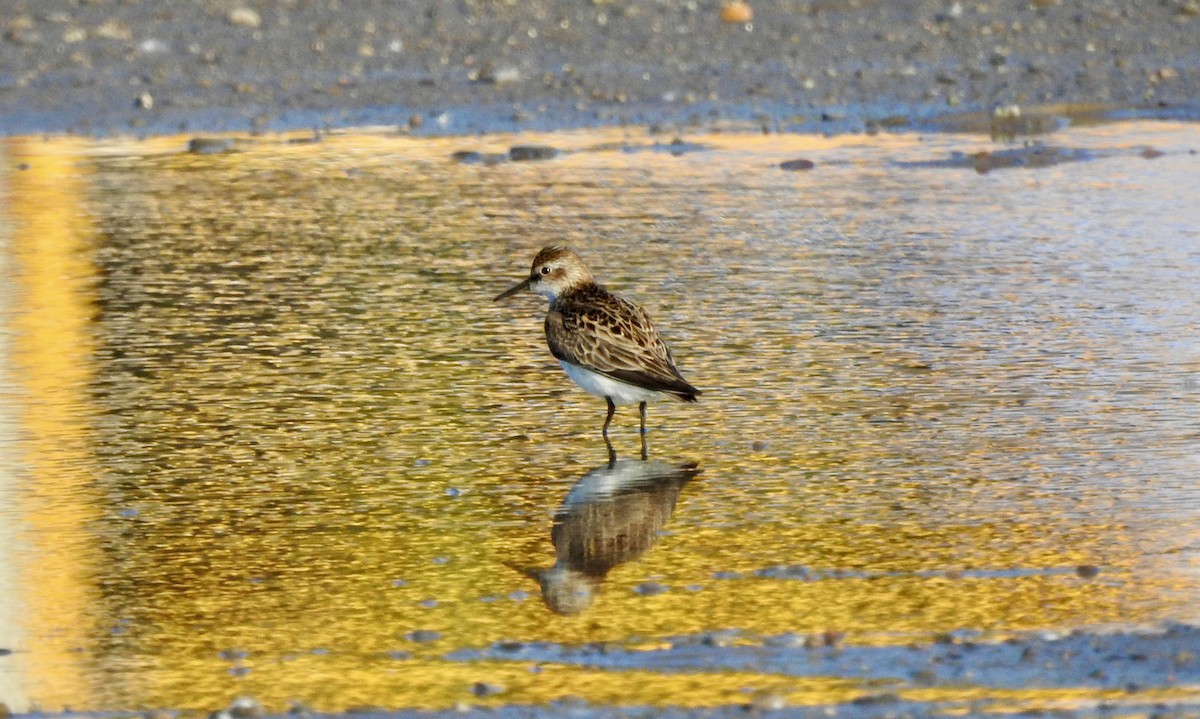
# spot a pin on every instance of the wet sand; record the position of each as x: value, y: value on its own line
x: 129, y: 66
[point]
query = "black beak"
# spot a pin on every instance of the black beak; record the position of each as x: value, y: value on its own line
x: 519, y: 287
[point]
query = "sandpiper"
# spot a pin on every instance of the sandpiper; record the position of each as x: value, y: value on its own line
x: 606, y: 344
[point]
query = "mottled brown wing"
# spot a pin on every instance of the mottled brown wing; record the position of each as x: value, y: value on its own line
x: 606, y: 334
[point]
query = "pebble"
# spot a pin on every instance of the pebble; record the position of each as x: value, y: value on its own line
x: 246, y: 708
x: 796, y: 165
x: 113, y: 30
x: 244, y: 17
x: 523, y: 153
x: 737, y: 13
x: 209, y: 145
x: 144, y: 101
x: 152, y: 46
x: 483, y: 689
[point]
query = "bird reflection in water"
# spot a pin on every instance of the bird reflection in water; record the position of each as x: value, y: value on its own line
x: 612, y: 515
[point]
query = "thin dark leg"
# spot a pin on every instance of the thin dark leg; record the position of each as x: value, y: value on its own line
x: 608, y: 420
x: 612, y: 453
x: 645, y: 449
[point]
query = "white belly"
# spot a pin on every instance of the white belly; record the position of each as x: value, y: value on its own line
x: 601, y: 386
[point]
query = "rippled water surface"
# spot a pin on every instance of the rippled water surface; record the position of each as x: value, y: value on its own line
x: 263, y: 431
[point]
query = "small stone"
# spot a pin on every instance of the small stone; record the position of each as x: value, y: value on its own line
x: 246, y: 708
x: 113, y: 30
x: 244, y: 17
x: 21, y: 23
x: 153, y: 46
x: 737, y: 13
x: 1087, y: 571
x: 145, y: 101
x: 423, y: 636
x: 209, y: 145
x: 1151, y: 153
x: 797, y: 165
x: 483, y: 689
x: 789, y: 639
x: 489, y: 74
x: 523, y: 153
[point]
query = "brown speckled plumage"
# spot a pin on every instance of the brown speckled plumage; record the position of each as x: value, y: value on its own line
x: 597, y: 330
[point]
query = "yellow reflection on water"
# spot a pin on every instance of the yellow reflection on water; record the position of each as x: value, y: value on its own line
x: 277, y: 441
x: 49, y: 464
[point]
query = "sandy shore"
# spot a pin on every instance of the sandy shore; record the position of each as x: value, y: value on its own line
x: 121, y: 66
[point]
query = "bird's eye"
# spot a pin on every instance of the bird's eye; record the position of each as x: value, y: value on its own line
x: 545, y: 269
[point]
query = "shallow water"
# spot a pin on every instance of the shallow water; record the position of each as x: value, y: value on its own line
x: 263, y: 431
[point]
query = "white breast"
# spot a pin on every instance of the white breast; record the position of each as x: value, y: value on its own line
x: 601, y: 386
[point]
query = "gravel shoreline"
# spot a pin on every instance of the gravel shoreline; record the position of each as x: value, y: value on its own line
x: 139, y: 67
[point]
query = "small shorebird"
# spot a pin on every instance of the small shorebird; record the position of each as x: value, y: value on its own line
x: 606, y: 344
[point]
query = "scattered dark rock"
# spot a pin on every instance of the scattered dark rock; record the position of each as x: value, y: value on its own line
x: 1032, y: 156
x: 210, y: 145
x: 795, y: 165
x: 483, y: 689
x: 423, y: 636
x: 474, y: 157
x: 524, y: 153
x: 1087, y: 571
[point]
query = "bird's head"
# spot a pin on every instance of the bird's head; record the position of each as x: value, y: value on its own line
x: 555, y: 270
